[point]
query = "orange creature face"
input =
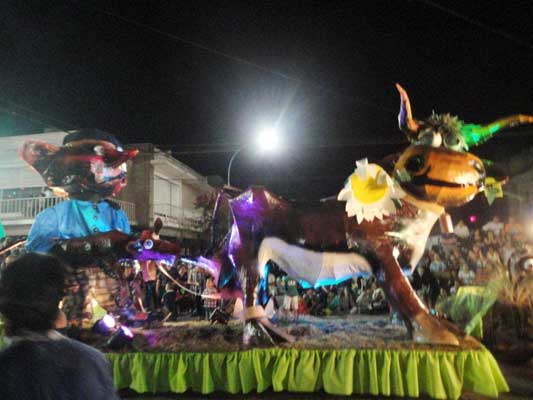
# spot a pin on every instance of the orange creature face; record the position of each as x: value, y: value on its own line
x: 439, y: 175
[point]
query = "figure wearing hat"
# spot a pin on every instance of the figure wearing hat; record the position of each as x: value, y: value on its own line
x: 89, y: 168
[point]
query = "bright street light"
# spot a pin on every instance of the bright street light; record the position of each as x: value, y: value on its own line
x: 267, y: 141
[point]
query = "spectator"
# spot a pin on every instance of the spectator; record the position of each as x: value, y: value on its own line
x: 272, y: 289
x: 169, y: 300
x: 455, y: 287
x: 363, y: 303
x: 465, y: 275
x: 438, y: 267
x: 321, y: 301
x: 290, y: 301
x: 210, y: 303
x: 309, y: 299
x: 379, y: 301
x: 494, y: 225
x: 149, y: 275
x: 280, y: 291
x: 183, y: 275
x: 185, y: 302
x: 461, y: 230
x: 346, y: 299
x: 490, y: 239
x: 493, y: 258
x: 476, y: 257
x: 507, y: 250
x: 40, y: 363
x: 333, y: 302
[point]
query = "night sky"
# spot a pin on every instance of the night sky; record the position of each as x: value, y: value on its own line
x: 198, y: 78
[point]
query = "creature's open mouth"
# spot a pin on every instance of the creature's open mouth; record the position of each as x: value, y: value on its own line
x: 422, y: 180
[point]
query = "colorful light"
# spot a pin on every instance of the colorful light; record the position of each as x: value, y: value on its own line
x: 472, y: 219
x: 127, y: 331
x: 121, y: 338
x: 104, y: 325
x: 109, y: 321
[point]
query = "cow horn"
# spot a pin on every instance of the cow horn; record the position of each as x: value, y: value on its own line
x: 477, y: 134
x: 405, y: 118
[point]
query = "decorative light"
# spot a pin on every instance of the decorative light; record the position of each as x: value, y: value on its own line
x: 104, y: 325
x: 121, y: 338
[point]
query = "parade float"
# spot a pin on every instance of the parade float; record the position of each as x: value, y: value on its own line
x: 378, y: 224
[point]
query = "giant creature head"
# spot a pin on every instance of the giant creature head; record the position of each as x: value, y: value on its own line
x: 89, y: 166
x: 437, y: 167
x: 439, y: 175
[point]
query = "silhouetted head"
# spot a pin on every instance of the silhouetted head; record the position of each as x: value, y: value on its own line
x: 31, y: 288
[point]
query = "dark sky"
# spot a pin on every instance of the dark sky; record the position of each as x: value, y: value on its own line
x: 199, y: 77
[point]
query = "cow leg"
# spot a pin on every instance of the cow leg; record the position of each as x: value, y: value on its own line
x: 402, y: 297
x: 258, y: 330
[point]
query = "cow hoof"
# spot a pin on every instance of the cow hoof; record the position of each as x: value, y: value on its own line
x: 259, y: 331
x: 428, y: 329
x: 255, y: 334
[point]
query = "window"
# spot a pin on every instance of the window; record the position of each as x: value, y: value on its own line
x: 167, y: 194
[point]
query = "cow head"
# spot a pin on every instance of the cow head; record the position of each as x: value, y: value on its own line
x: 439, y: 175
x: 437, y: 167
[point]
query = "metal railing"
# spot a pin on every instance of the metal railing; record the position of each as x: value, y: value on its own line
x: 178, y: 217
x: 12, y: 210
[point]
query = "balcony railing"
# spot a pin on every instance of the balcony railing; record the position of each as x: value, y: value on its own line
x: 179, y: 217
x: 25, y: 210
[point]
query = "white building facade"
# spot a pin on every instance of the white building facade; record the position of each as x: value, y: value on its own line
x: 161, y: 186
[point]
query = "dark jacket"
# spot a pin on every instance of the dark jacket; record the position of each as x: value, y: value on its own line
x: 62, y: 369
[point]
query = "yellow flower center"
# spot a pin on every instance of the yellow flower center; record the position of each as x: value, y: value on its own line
x: 367, y: 190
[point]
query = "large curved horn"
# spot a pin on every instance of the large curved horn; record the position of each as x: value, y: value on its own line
x: 405, y: 118
x: 477, y: 134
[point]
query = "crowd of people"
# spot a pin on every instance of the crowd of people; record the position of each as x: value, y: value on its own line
x: 172, y: 291
x: 468, y: 257
x: 361, y: 295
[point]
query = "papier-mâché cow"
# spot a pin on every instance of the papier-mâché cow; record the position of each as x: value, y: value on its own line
x: 383, y: 226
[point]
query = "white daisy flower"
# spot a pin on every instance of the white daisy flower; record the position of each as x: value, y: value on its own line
x: 369, y: 192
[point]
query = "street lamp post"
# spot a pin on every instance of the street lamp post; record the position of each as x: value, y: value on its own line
x: 267, y: 140
x: 231, y: 162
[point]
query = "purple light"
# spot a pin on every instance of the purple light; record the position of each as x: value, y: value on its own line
x: 127, y: 331
x: 472, y: 219
x: 146, y: 255
x: 109, y: 321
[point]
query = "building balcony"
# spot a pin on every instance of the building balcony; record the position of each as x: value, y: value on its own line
x: 17, y: 215
x: 189, y: 219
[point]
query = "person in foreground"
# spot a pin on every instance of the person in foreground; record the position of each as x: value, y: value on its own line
x: 39, y: 363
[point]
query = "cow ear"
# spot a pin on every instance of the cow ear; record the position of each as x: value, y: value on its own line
x: 36, y: 152
x: 158, y: 225
x: 388, y: 163
x: 496, y: 171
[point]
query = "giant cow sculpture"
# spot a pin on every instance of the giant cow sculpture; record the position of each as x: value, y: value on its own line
x: 330, y: 241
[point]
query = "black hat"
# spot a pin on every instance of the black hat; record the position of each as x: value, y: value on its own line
x: 91, y: 134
